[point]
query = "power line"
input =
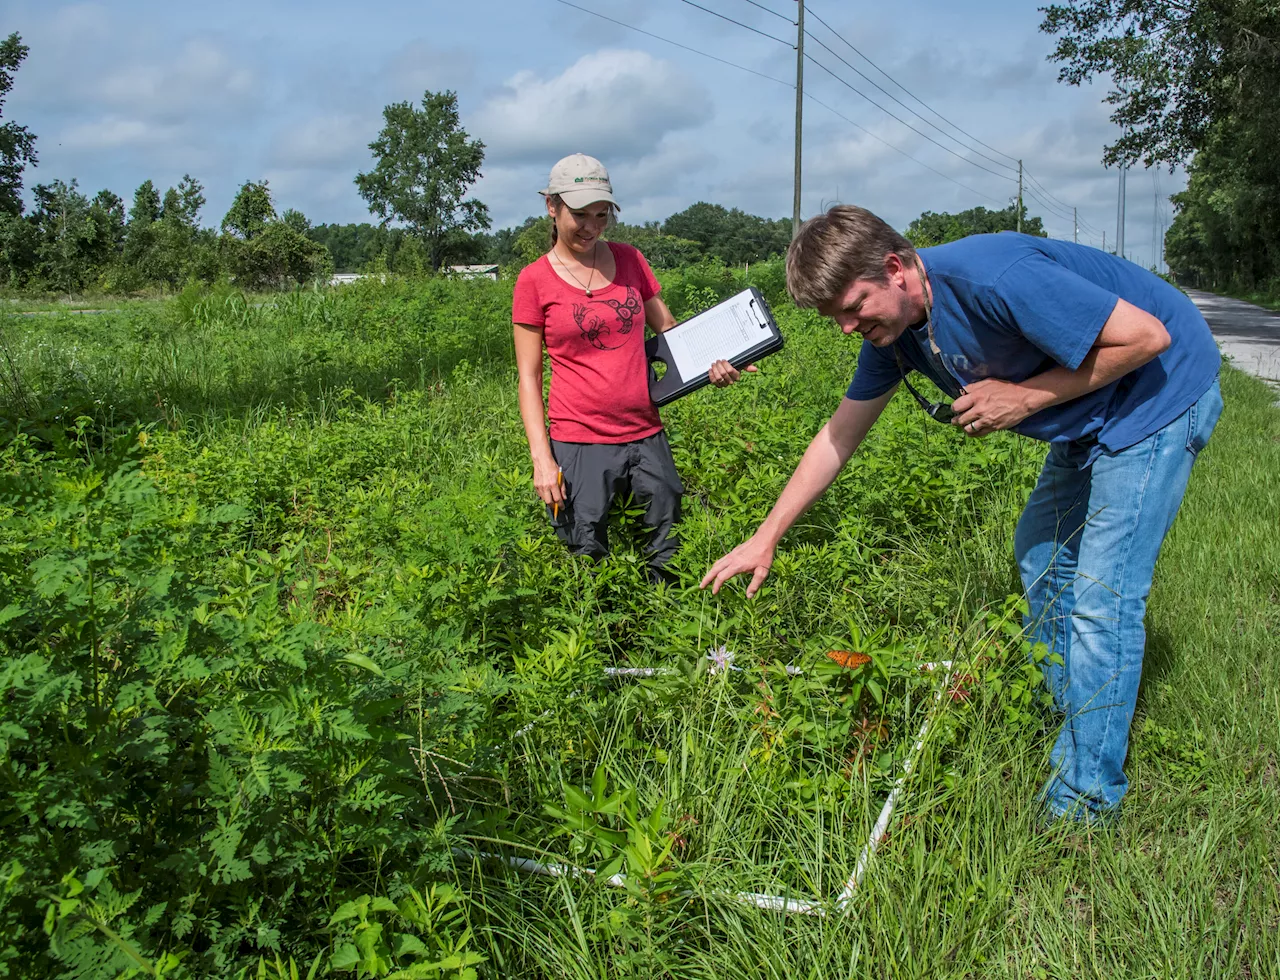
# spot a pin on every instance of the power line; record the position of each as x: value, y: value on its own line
x: 748, y: 27
x: 833, y: 111
x: 1038, y: 184
x: 1061, y: 207
x: 880, y: 88
x: 897, y: 149
x: 667, y: 40
x: 1049, y: 208
x: 1045, y: 191
x: 930, y: 109
x: 768, y: 10
x: 948, y: 149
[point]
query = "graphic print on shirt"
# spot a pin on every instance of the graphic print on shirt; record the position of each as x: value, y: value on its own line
x: 598, y: 326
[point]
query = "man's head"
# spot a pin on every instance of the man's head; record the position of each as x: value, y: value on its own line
x: 853, y: 267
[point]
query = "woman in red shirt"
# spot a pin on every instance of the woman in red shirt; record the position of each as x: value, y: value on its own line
x: 588, y: 301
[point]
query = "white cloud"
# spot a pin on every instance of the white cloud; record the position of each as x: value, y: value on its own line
x: 614, y: 104
x: 324, y: 141
x: 202, y: 76
x: 115, y: 132
x: 419, y: 66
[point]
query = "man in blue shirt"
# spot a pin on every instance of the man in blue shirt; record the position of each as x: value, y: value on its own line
x: 1106, y: 362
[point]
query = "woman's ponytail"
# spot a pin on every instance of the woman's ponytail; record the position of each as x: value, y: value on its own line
x: 556, y: 202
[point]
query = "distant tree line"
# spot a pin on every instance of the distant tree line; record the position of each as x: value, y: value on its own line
x: 424, y: 164
x: 933, y: 228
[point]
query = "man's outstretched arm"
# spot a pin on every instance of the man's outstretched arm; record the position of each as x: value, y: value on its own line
x: 822, y: 461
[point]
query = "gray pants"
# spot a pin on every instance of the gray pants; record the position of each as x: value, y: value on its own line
x: 595, y: 472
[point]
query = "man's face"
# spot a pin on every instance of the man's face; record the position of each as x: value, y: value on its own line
x: 880, y: 312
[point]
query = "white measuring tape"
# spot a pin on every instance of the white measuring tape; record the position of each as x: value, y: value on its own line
x: 772, y: 903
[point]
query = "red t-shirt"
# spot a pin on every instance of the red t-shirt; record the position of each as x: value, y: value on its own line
x: 599, y: 372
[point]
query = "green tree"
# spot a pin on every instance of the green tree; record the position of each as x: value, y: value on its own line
x: 501, y: 244
x: 17, y: 143
x: 250, y: 212
x: 1176, y: 68
x: 146, y: 204
x: 937, y: 228
x: 260, y: 251
x: 731, y: 235
x: 1201, y: 79
x: 67, y: 236
x: 425, y: 164
x: 296, y: 220
x: 190, y: 200
x: 18, y: 240
x: 357, y: 247
x: 660, y: 250
x: 533, y: 239
x: 276, y: 256
x: 177, y: 233
x: 140, y: 237
x: 1226, y: 231
x: 108, y: 217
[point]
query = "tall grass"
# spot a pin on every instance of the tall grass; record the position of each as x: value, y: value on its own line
x: 373, y: 432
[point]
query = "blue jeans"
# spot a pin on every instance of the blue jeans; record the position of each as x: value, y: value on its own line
x: 1086, y: 547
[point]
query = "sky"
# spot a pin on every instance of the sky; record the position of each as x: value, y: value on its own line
x: 292, y: 92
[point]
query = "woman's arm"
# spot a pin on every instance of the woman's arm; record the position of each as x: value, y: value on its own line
x: 529, y: 367
x: 657, y: 315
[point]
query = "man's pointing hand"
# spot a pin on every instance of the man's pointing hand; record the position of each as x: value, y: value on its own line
x: 751, y: 556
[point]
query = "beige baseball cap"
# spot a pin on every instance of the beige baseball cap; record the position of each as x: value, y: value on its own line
x: 580, y: 180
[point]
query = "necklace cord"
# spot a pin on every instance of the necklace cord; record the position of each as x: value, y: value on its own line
x: 590, y: 279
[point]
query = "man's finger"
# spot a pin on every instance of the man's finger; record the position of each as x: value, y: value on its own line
x: 721, y: 577
x: 757, y: 580
x: 752, y: 368
x: 712, y: 572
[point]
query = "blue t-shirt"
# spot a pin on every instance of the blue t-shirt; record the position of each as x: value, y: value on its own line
x: 1010, y: 306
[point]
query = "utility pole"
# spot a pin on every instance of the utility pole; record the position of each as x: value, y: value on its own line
x: 1019, y: 196
x: 1155, y: 226
x: 1120, y: 214
x: 1075, y: 226
x: 1104, y: 240
x: 795, y: 198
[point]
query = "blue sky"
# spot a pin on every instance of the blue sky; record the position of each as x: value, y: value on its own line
x: 293, y: 92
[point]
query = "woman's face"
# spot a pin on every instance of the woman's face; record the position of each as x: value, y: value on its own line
x: 580, y: 228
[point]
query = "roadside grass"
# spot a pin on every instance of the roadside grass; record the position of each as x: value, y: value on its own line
x: 1270, y: 297
x: 967, y: 884
x: 372, y: 439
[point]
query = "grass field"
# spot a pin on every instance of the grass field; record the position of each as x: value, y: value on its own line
x: 278, y: 599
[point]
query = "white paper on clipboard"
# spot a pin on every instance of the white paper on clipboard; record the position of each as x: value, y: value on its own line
x: 720, y: 333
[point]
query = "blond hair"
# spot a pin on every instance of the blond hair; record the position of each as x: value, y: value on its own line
x: 833, y: 250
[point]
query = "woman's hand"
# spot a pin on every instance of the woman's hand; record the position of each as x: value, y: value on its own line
x: 723, y: 373
x: 547, y: 482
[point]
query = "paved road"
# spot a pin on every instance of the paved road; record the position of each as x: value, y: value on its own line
x: 1248, y: 334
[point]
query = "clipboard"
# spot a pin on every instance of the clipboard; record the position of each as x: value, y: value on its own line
x: 740, y: 330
